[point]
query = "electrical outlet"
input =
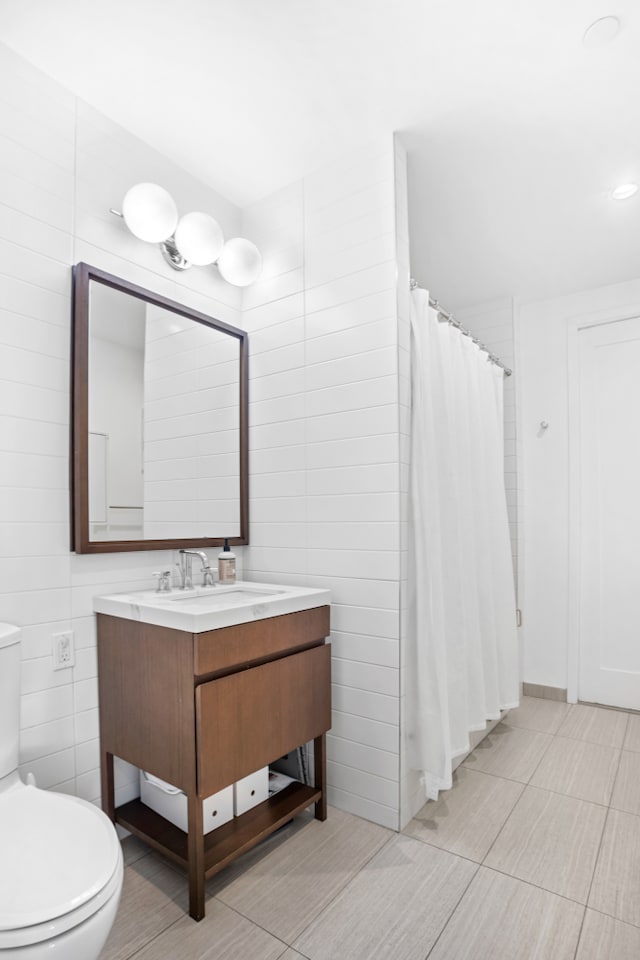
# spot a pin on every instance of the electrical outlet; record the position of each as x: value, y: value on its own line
x: 63, y: 650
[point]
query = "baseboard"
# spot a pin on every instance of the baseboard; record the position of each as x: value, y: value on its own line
x: 605, y: 706
x: 544, y: 693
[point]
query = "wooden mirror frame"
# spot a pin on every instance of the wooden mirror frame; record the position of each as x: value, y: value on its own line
x: 83, y: 274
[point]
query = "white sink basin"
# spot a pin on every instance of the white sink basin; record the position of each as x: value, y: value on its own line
x: 208, y: 608
x: 214, y: 598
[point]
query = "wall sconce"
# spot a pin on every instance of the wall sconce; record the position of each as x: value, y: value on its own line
x: 194, y: 239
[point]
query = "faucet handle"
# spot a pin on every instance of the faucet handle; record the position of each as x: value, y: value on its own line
x: 164, y: 580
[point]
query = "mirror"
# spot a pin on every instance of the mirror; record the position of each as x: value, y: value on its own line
x: 159, y: 421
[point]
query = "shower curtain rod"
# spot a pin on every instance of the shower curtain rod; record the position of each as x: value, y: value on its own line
x: 449, y: 318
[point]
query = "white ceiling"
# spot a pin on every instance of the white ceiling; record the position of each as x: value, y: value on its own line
x: 516, y: 132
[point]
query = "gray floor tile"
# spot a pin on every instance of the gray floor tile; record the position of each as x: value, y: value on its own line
x: 394, y: 908
x: 551, y: 841
x: 153, y: 897
x: 133, y: 849
x: 285, y: 891
x: 500, y: 918
x: 545, y: 716
x: 349, y: 890
x: 466, y: 819
x: 263, y: 850
x: 605, y: 727
x: 578, y: 769
x: 626, y: 793
x: 616, y: 883
x: 510, y: 752
x: 222, y: 935
x: 604, y: 938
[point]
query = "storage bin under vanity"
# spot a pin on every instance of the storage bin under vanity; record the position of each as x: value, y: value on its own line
x: 250, y: 791
x: 171, y: 803
x: 219, y: 808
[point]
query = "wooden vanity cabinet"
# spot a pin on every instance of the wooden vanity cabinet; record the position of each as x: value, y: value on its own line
x: 203, y: 710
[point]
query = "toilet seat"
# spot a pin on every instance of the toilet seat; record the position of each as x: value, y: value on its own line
x: 61, y: 862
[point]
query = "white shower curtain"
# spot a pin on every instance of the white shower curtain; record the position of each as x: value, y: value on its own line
x: 462, y: 666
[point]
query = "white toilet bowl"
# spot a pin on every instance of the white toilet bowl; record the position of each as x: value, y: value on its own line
x: 60, y: 858
x: 60, y: 875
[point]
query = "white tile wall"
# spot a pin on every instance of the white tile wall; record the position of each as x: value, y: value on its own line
x: 63, y: 165
x: 326, y: 368
x: 324, y: 447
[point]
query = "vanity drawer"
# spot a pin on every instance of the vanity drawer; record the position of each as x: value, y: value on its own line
x: 220, y: 651
x: 253, y: 717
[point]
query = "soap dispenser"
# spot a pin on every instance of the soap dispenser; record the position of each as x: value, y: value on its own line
x: 226, y: 565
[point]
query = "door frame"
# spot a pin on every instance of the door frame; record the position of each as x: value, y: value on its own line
x: 575, y: 324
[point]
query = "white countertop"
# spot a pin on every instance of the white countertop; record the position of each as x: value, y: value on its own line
x: 210, y: 608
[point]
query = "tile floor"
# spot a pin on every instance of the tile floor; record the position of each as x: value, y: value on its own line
x: 534, y: 853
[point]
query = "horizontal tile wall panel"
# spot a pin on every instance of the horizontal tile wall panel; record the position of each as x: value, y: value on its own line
x: 363, y: 283
x: 365, y: 703
x: 359, y: 756
x: 365, y: 676
x: 363, y: 731
x: 363, y: 807
x: 368, y: 648
x: 333, y: 535
x: 368, y: 786
x: 371, y: 421
x: 46, y: 739
x: 360, y: 621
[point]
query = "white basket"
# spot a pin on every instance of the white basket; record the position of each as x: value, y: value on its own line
x: 171, y: 803
x: 250, y: 791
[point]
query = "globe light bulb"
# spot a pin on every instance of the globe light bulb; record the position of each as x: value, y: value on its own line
x: 240, y: 262
x: 149, y: 212
x: 199, y: 238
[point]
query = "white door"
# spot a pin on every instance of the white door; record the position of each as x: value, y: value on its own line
x: 609, y: 514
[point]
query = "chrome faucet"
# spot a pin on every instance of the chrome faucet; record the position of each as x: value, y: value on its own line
x: 185, y: 568
x: 164, y: 581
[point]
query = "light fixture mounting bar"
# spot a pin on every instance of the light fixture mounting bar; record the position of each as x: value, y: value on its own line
x: 172, y: 255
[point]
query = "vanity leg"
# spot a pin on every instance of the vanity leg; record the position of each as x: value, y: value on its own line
x: 320, y: 775
x: 195, y: 848
x: 108, y: 790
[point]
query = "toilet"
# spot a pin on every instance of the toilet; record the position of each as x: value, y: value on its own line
x: 60, y: 857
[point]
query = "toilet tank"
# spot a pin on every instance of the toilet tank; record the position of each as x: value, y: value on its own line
x: 9, y: 698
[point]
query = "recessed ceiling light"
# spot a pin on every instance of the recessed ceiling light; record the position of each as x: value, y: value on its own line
x: 601, y: 32
x: 624, y: 191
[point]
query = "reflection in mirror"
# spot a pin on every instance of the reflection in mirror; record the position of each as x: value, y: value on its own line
x: 164, y: 435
